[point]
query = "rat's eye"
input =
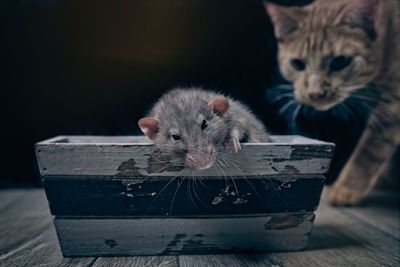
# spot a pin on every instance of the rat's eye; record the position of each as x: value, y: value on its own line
x: 298, y: 64
x: 176, y: 137
x: 204, y: 124
x: 340, y: 62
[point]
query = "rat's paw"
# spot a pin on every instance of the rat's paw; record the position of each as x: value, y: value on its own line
x: 341, y: 195
x: 234, y: 144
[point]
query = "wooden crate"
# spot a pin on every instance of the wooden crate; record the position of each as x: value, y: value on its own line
x: 117, y: 196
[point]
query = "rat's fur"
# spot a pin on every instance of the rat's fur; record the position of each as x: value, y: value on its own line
x: 182, y: 111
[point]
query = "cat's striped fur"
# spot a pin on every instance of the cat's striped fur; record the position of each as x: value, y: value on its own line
x: 366, y: 34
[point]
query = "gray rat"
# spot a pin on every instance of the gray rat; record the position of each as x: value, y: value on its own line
x: 192, y: 124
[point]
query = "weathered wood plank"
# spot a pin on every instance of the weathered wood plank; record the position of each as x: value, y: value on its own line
x: 381, y: 210
x: 182, y: 196
x: 342, y: 240
x: 141, y: 139
x: 9, y: 197
x: 42, y: 251
x: 154, y: 236
x: 338, y: 239
x: 142, y: 159
x: 137, y: 261
x: 231, y: 260
x: 27, y: 235
x: 23, y: 221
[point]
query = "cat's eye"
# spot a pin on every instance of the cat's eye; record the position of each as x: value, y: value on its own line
x: 298, y: 64
x: 175, y: 137
x: 204, y: 124
x: 339, y: 63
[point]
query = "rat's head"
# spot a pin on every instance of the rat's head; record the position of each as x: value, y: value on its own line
x: 327, y: 49
x: 188, y: 126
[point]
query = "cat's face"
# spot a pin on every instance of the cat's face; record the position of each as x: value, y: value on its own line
x: 324, y: 56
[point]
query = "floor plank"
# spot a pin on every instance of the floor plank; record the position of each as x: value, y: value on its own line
x: 339, y: 239
x: 357, y: 236
x: 8, y: 198
x: 27, y: 234
x: 42, y: 251
x: 25, y: 219
x: 380, y: 210
x: 160, y: 261
x: 231, y: 260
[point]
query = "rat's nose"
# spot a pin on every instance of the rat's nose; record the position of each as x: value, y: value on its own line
x: 317, y: 95
x: 199, y: 163
x: 201, y: 158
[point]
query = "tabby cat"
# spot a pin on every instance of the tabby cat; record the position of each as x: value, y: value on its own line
x: 329, y: 50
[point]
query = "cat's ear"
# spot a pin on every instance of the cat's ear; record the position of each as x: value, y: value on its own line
x: 220, y: 105
x: 285, y: 19
x: 361, y: 13
x: 149, y: 126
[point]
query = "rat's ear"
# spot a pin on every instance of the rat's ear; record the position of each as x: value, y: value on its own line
x: 220, y: 105
x: 149, y: 126
x: 285, y: 19
x: 361, y: 13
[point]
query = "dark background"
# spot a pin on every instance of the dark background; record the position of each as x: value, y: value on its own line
x: 95, y: 67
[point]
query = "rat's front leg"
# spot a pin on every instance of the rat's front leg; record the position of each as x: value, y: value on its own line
x: 372, y: 152
x: 233, y: 141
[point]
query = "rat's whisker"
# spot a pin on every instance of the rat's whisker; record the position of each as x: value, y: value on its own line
x: 157, y: 159
x: 162, y: 190
x: 195, y: 193
x: 221, y: 171
x: 275, y: 190
x: 189, y: 193
x: 244, y: 177
x: 233, y: 181
x: 164, y: 167
x: 173, y: 199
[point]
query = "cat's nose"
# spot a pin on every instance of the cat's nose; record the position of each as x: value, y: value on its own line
x: 317, y: 95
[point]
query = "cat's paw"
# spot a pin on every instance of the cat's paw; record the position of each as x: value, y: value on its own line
x: 341, y: 195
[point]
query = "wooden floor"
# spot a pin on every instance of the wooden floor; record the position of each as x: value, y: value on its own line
x: 363, y: 236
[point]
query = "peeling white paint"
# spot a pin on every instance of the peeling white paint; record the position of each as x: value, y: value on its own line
x: 103, y: 156
x: 239, y: 201
x: 286, y: 185
x: 217, y: 200
x: 226, y: 190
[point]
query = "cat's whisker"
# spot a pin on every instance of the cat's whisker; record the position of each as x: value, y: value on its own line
x: 293, y: 119
x: 285, y: 107
x: 349, y: 111
x: 281, y: 97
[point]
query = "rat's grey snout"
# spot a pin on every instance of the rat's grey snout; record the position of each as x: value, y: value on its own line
x: 201, y: 158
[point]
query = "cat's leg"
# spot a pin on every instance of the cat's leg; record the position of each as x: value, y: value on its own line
x: 390, y: 176
x: 360, y: 173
